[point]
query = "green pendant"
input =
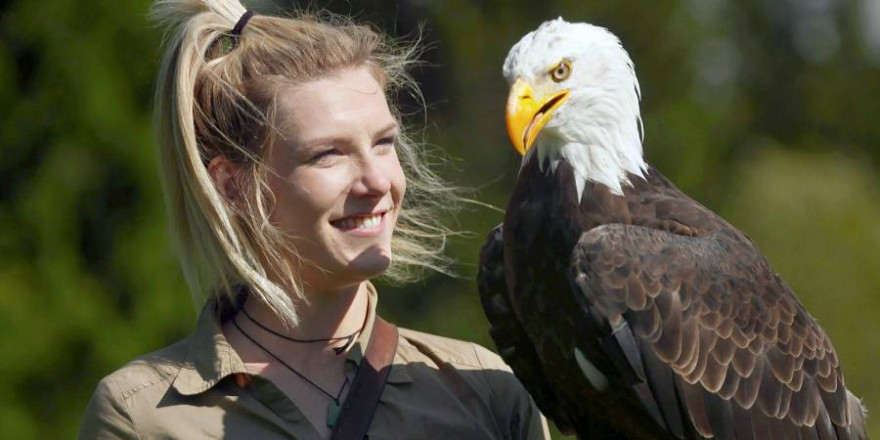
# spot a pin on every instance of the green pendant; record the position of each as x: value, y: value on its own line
x: 333, y: 410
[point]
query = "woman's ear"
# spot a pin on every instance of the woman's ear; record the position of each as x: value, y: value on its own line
x: 222, y: 172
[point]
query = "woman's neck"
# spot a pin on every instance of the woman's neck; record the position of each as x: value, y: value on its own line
x: 286, y: 363
x: 322, y: 315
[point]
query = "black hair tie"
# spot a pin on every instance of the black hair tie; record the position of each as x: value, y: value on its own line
x: 242, y: 22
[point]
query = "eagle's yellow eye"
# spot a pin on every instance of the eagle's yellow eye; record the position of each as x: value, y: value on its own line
x: 561, y: 71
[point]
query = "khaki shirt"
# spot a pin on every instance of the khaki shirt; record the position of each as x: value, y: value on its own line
x: 199, y: 388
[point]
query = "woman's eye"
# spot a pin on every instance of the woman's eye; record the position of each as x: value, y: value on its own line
x: 386, y: 141
x: 322, y: 156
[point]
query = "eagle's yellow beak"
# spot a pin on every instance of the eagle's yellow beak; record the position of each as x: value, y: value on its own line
x: 526, y: 116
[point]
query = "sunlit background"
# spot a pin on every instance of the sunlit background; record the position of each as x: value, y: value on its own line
x: 765, y: 111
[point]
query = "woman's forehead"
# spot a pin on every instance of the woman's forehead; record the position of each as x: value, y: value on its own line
x: 350, y: 100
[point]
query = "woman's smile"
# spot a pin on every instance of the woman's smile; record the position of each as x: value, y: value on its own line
x: 362, y: 225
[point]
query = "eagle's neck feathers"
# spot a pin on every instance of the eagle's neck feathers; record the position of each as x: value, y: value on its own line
x: 606, y: 155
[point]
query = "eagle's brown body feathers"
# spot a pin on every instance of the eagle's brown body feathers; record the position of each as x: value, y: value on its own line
x: 679, y: 311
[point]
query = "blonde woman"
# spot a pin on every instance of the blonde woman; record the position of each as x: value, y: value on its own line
x: 290, y: 185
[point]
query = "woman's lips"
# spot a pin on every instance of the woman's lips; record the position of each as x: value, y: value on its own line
x: 363, y: 225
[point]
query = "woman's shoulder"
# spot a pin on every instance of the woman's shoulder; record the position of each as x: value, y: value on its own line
x: 479, y: 370
x: 112, y: 407
x: 151, y: 369
x: 454, y: 351
x: 482, y: 369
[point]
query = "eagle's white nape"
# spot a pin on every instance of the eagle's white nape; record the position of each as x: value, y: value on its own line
x: 598, y: 130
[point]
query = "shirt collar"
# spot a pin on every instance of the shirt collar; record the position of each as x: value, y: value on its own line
x: 210, y: 357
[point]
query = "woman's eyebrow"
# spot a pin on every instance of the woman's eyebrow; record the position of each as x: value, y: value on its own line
x: 322, y: 141
x: 390, y: 127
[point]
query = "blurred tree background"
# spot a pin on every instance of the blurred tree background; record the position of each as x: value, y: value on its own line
x: 763, y: 110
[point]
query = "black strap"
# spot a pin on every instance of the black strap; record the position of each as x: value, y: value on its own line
x: 363, y: 397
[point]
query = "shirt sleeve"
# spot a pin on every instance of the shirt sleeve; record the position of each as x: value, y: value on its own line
x: 107, y: 417
x: 513, y: 406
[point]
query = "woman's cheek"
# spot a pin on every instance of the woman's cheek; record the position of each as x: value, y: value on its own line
x: 323, y: 191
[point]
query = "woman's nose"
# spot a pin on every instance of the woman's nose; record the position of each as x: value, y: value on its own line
x: 373, y: 178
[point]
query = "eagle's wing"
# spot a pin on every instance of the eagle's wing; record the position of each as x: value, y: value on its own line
x: 513, y: 344
x: 723, y: 345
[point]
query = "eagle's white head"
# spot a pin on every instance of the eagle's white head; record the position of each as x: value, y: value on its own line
x: 574, y: 95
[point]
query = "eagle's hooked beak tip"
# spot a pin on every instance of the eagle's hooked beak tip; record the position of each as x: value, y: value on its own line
x: 526, y: 116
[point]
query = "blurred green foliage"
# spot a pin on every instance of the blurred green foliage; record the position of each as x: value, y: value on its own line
x: 763, y: 110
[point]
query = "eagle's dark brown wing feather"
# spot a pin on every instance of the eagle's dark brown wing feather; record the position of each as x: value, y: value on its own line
x: 725, y: 347
x: 510, y: 338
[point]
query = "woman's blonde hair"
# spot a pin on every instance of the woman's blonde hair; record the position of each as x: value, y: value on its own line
x: 216, y: 97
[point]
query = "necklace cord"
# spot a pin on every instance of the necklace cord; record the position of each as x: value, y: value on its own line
x: 302, y: 341
x: 292, y: 370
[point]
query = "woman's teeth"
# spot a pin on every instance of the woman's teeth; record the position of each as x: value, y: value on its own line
x: 369, y: 222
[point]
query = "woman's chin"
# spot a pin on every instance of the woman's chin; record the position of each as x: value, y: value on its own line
x: 370, y: 263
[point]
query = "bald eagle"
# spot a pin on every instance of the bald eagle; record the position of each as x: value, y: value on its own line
x: 626, y: 308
